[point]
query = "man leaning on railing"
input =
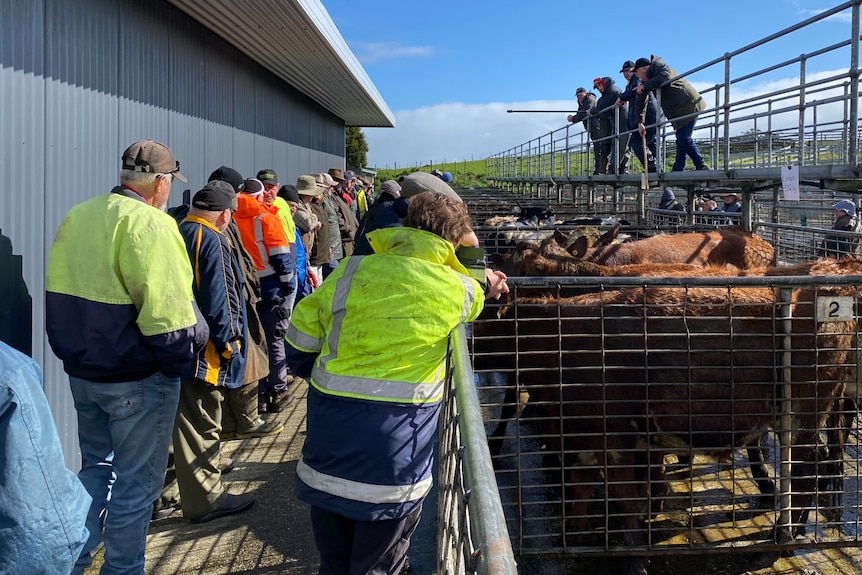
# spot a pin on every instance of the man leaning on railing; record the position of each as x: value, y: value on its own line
x: 680, y: 102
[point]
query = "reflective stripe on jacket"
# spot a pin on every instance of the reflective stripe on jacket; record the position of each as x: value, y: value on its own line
x: 119, y: 302
x: 218, y: 291
x: 263, y: 236
x: 380, y: 325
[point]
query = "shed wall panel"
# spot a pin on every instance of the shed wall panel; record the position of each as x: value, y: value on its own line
x: 78, y: 86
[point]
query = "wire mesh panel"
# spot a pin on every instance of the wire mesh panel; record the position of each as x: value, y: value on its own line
x: 802, y: 243
x: 644, y: 416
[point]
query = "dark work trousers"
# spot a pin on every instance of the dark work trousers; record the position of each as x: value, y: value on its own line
x: 239, y: 413
x: 351, y: 547
x: 196, y: 441
x: 275, y: 317
x: 637, y: 146
x: 328, y: 268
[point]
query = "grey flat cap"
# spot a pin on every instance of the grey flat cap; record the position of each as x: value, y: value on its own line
x: 419, y: 182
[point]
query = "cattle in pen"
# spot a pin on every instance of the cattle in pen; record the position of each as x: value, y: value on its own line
x: 733, y: 246
x: 627, y: 375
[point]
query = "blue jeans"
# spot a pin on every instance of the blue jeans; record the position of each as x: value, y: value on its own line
x: 685, y: 146
x: 124, y: 430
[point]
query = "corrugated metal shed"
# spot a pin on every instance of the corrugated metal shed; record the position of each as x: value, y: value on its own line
x: 299, y: 43
x: 79, y: 85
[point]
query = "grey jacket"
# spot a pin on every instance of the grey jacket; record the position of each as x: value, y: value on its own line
x: 591, y: 124
x: 332, y: 216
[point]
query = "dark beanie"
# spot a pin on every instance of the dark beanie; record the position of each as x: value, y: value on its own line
x: 230, y: 176
x: 289, y: 193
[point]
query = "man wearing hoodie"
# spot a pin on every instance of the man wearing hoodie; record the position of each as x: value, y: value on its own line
x: 264, y: 237
x: 636, y: 141
x: 586, y: 102
x: 606, y: 113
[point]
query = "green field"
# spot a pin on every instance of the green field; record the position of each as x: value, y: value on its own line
x: 464, y: 174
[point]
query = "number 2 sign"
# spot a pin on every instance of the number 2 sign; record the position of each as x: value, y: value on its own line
x: 835, y: 308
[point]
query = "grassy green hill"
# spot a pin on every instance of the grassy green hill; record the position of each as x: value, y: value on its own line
x: 464, y: 174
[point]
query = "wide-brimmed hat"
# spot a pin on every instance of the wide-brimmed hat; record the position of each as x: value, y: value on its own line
x: 324, y: 180
x: 307, y: 186
x: 337, y: 174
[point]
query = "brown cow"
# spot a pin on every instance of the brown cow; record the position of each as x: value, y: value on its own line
x: 733, y: 246
x: 644, y: 371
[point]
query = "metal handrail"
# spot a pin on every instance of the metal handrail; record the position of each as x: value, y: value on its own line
x: 474, y: 490
x: 552, y: 154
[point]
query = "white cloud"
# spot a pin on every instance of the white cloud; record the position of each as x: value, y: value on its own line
x: 456, y: 131
x: 845, y: 16
x: 370, y: 52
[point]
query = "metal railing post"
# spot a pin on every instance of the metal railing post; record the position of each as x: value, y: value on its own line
x: 726, y: 108
x: 854, y: 86
x: 801, y: 142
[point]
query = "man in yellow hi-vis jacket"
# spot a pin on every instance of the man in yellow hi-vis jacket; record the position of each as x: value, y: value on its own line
x: 121, y: 316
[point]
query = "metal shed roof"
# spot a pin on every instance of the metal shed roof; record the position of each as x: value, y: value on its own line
x: 299, y: 43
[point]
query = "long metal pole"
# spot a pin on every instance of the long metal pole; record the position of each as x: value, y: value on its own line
x: 854, y: 86
x: 726, y: 135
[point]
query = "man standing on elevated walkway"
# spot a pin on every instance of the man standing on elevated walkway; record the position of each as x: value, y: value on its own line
x: 586, y: 102
x: 680, y: 102
x: 647, y: 158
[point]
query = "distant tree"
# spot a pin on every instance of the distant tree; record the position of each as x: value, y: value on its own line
x: 357, y: 147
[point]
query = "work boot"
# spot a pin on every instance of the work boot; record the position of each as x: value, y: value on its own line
x: 263, y: 429
x: 225, y: 465
x: 276, y: 401
x: 229, y: 505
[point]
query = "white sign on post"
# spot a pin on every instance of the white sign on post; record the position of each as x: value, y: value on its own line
x: 790, y: 182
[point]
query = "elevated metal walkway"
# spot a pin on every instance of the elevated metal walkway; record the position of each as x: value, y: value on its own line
x: 803, y: 111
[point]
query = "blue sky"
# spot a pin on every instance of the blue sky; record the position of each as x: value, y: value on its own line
x: 449, y: 69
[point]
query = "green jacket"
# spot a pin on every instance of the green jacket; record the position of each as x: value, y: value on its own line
x: 678, y: 98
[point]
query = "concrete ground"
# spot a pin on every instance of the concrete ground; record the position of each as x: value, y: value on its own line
x: 274, y: 536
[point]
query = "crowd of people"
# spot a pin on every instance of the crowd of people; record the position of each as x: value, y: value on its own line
x: 610, y: 119
x: 182, y: 328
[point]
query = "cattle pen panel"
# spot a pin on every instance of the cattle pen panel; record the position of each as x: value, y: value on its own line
x: 631, y: 399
